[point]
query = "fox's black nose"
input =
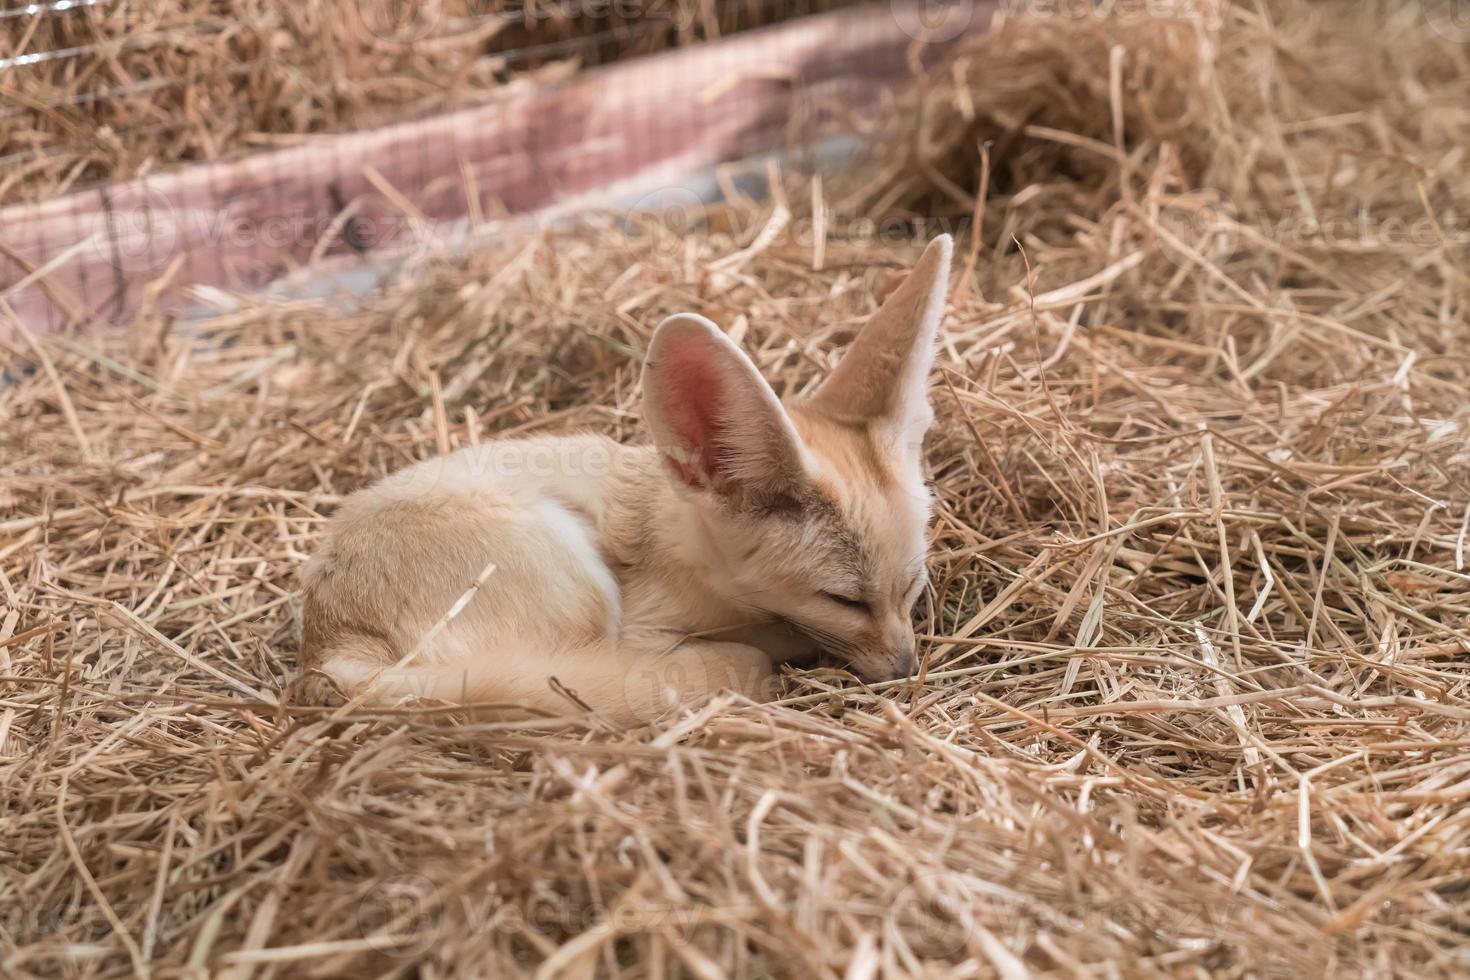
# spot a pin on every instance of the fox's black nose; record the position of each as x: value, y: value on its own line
x: 903, y: 662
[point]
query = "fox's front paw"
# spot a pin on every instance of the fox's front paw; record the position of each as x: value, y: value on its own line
x: 315, y: 689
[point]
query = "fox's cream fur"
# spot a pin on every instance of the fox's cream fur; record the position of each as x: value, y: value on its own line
x: 630, y: 578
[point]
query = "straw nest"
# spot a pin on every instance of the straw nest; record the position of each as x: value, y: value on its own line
x: 1194, y: 691
x: 107, y: 89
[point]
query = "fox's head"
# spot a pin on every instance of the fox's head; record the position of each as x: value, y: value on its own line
x: 817, y: 507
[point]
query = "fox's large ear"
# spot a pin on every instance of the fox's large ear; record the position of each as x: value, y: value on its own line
x: 716, y: 421
x: 883, y: 380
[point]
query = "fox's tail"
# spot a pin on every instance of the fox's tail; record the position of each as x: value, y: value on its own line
x: 625, y: 686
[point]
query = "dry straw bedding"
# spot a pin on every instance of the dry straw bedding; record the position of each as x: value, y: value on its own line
x: 1194, y: 696
x: 103, y: 89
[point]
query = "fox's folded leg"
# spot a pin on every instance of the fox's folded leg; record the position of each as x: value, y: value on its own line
x: 658, y: 683
x: 352, y: 661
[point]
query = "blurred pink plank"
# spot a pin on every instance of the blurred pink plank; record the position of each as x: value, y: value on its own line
x: 89, y: 257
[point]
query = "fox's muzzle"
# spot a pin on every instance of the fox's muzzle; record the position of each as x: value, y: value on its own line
x: 903, y: 662
x: 894, y: 664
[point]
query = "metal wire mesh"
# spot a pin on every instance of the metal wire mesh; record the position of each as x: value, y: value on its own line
x: 445, y: 110
x: 86, y: 81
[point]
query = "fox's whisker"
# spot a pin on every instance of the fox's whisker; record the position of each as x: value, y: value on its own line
x: 826, y: 639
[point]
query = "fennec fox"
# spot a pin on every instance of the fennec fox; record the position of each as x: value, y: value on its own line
x: 631, y: 579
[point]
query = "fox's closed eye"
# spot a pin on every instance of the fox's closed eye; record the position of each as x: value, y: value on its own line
x: 850, y: 602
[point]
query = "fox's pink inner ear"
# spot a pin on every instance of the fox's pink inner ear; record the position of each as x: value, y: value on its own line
x: 691, y: 406
x: 717, y: 422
